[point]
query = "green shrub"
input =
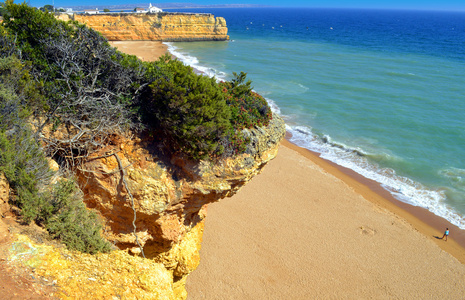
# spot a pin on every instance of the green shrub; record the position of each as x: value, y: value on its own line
x: 26, y: 169
x: 21, y: 157
x: 67, y: 219
x: 248, y: 109
x: 199, y: 117
x: 189, y: 110
x: 20, y: 93
x: 7, y: 43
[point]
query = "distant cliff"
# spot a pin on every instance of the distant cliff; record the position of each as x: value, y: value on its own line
x: 166, y: 27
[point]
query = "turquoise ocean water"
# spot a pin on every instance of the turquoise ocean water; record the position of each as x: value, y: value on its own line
x: 380, y: 92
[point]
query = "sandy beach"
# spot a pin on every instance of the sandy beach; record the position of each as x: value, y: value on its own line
x: 298, y: 232
x: 306, y: 229
x: 144, y: 50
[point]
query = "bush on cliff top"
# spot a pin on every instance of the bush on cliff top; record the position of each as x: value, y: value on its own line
x: 189, y: 111
x: 199, y: 117
x: 248, y: 109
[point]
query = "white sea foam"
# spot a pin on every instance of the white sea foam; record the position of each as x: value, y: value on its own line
x: 274, y: 107
x: 455, y: 175
x: 402, y: 188
x: 186, y: 58
x: 305, y: 88
x: 194, y: 62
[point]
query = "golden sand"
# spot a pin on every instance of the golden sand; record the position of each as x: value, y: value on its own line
x: 297, y: 231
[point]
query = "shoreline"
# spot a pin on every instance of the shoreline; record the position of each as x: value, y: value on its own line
x: 422, y: 220
x: 301, y: 230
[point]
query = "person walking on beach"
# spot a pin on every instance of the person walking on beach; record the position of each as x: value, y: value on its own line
x: 446, y: 234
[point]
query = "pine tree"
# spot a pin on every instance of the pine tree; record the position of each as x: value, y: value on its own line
x: 190, y: 110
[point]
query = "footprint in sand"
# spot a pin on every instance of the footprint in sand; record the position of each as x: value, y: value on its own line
x: 367, y: 230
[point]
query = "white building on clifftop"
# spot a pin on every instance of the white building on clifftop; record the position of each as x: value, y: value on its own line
x: 153, y: 9
x: 91, y: 11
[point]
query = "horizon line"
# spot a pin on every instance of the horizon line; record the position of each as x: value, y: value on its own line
x: 273, y: 6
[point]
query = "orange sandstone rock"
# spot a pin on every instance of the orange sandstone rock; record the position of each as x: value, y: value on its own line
x: 166, y: 27
x: 116, y: 275
x: 167, y: 195
x: 4, y: 194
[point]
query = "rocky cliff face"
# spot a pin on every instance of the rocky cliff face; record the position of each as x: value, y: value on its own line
x: 166, y: 27
x: 165, y: 197
x: 151, y: 204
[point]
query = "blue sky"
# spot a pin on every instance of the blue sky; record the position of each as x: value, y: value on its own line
x: 389, y: 4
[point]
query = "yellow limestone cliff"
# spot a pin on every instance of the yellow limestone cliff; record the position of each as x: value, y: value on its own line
x: 151, y: 204
x: 166, y: 27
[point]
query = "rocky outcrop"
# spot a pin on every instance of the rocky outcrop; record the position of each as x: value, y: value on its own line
x: 155, y: 205
x: 150, y: 204
x: 4, y: 195
x: 74, y: 275
x: 166, y: 27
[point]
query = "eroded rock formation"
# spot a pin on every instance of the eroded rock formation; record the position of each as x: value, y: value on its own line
x: 166, y: 27
x: 165, y: 197
x: 131, y: 183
